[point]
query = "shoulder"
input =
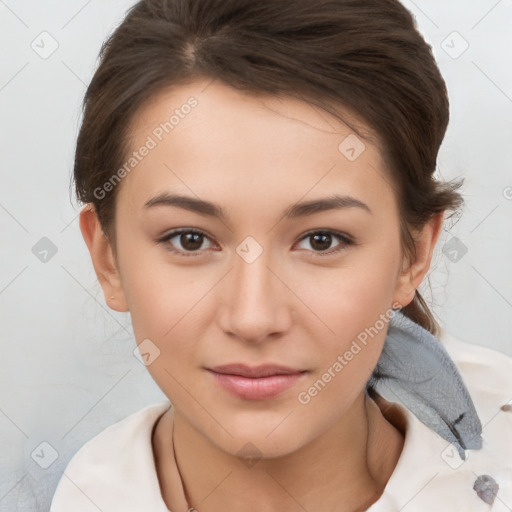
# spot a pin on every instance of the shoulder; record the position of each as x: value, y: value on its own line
x: 430, y: 475
x: 487, y: 374
x: 477, y: 360
x: 115, y: 469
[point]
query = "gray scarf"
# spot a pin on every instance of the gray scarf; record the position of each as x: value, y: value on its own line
x: 417, y: 369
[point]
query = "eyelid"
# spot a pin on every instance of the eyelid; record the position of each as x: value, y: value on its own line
x: 175, y: 232
x: 346, y: 240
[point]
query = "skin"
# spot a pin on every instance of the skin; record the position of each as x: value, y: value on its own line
x: 255, y: 156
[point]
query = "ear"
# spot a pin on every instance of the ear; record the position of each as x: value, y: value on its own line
x: 103, y: 259
x: 410, y: 278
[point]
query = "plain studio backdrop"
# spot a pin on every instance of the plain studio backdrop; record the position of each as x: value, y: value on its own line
x: 68, y: 368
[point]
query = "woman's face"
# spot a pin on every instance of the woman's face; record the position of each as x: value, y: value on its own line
x: 256, y: 286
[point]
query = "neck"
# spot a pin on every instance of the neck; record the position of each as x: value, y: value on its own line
x: 344, y: 469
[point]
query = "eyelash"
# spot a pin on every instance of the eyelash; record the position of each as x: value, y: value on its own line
x: 345, y: 239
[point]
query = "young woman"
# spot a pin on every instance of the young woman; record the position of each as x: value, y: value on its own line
x: 258, y: 180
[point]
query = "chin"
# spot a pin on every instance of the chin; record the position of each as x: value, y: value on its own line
x: 251, y: 449
x: 256, y: 439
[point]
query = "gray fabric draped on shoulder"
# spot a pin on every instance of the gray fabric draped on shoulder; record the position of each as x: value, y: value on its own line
x: 416, y: 368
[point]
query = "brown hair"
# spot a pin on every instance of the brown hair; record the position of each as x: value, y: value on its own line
x: 363, y: 55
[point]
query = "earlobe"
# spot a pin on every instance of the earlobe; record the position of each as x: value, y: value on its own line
x: 103, y: 259
x: 410, y: 279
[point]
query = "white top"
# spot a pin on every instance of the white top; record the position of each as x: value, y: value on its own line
x: 115, y: 471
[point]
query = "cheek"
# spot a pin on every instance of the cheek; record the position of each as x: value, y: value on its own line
x: 346, y: 354
x: 168, y: 306
x: 158, y: 293
x: 354, y: 306
x: 351, y: 297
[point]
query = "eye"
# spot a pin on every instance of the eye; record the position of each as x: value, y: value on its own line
x: 191, y: 241
x: 322, y: 240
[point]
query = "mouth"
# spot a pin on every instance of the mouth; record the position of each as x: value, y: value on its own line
x: 256, y: 383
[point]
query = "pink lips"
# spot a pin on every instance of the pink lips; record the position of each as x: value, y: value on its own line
x: 256, y: 383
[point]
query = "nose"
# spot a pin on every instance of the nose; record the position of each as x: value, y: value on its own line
x: 256, y: 303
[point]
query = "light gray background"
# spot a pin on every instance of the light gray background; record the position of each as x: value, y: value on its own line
x: 67, y: 364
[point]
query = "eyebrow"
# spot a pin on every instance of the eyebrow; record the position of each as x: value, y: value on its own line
x: 335, y: 202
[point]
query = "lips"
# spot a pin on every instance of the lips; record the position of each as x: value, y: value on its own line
x: 258, y: 382
x: 244, y: 370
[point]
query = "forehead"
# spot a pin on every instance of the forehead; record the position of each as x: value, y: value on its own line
x: 207, y: 138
